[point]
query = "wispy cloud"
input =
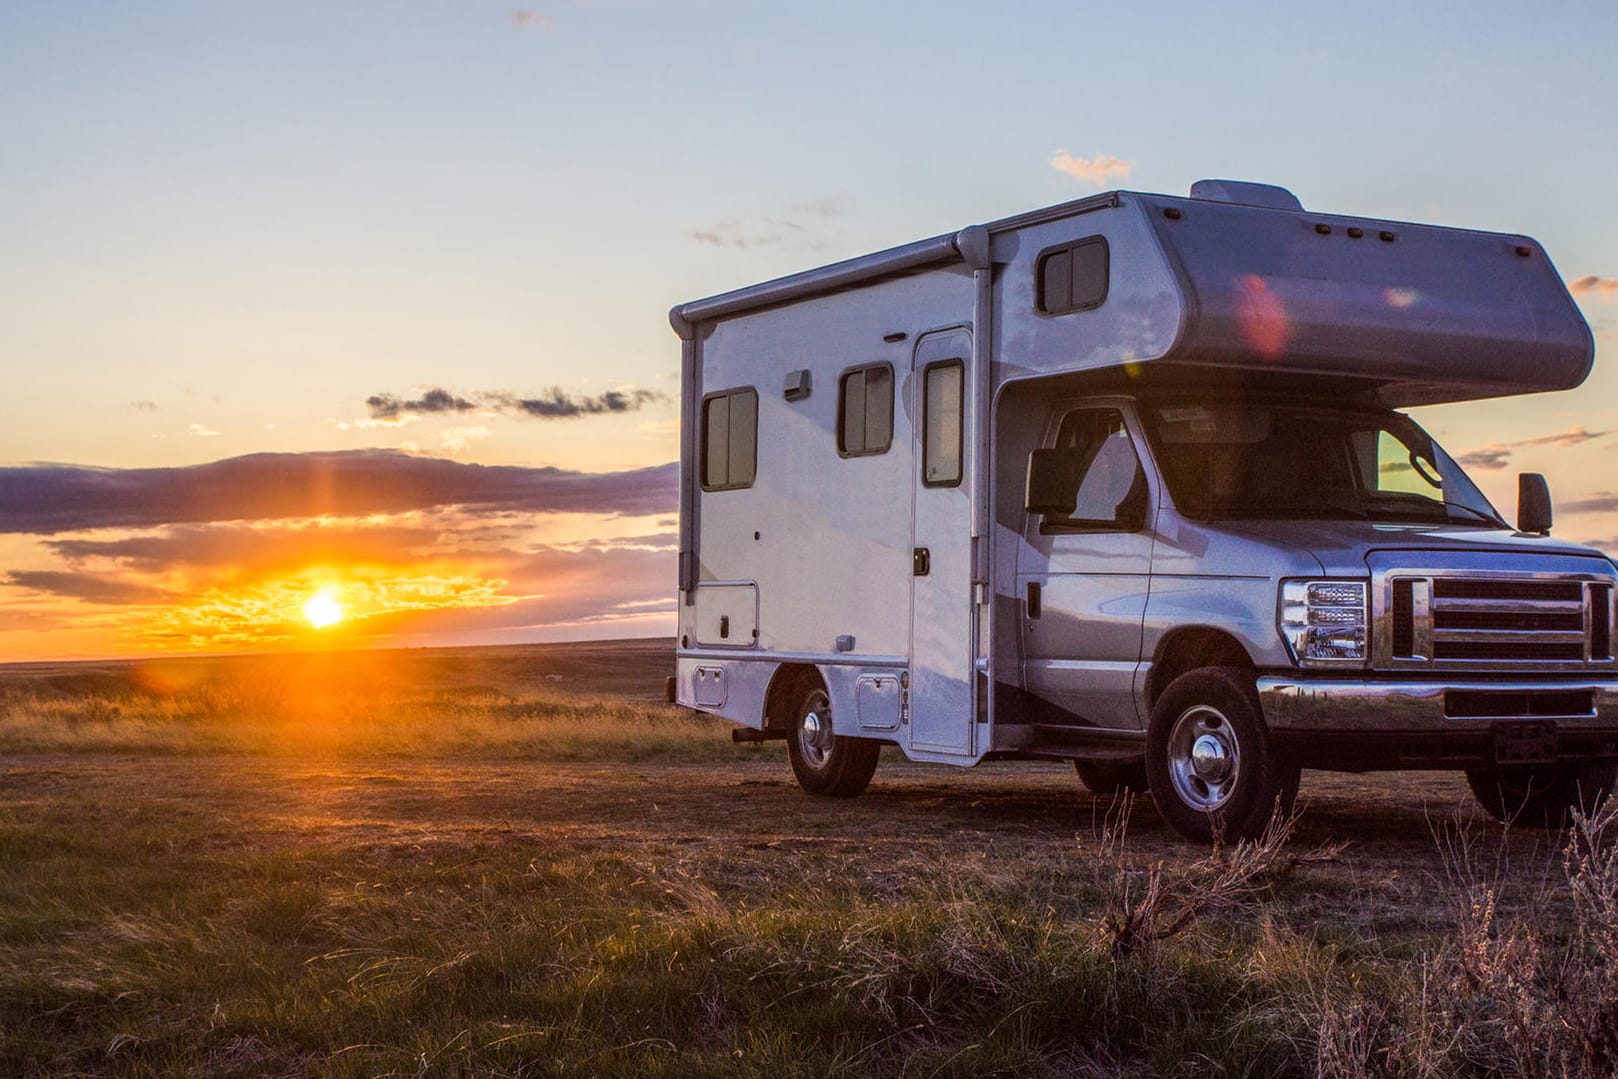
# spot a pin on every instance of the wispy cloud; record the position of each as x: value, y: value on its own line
x: 767, y: 230
x: 51, y: 499
x: 554, y: 403
x: 143, y: 406
x: 201, y: 430
x: 456, y: 439
x: 1600, y: 503
x: 1097, y: 170
x: 1564, y: 438
x: 1497, y: 455
x: 1591, y: 285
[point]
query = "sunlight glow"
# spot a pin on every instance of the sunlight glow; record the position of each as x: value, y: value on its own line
x: 322, y: 609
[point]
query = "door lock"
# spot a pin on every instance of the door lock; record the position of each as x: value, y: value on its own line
x: 921, y: 562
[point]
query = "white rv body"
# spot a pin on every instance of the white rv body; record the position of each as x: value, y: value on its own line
x: 897, y: 563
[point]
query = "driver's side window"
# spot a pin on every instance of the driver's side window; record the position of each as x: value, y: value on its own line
x: 1111, y: 495
x: 1399, y: 468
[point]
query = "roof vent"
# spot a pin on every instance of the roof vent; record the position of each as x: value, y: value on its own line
x: 1239, y: 191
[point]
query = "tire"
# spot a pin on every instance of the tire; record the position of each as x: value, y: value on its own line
x: 1209, y: 761
x: 1112, y: 777
x: 1541, y: 797
x: 824, y: 761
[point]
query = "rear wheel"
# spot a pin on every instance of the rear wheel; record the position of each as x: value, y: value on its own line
x: 824, y: 761
x: 1209, y: 761
x: 1539, y: 796
x: 1112, y: 777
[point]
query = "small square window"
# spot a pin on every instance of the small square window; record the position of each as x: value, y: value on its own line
x: 865, y: 411
x: 729, y: 439
x: 1072, y: 277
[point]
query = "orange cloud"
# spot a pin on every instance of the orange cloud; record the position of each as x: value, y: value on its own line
x: 1092, y: 170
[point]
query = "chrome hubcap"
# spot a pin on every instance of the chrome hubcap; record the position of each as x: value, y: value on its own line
x: 815, y: 730
x: 1204, y: 758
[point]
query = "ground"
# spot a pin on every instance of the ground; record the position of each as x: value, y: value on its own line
x: 326, y: 906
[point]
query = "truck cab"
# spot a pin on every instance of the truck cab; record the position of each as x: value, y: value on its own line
x: 1343, y: 593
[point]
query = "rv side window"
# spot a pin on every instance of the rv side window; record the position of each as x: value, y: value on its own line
x: 1072, y: 277
x: 1111, y: 495
x: 865, y: 411
x: 729, y: 439
x: 942, y: 384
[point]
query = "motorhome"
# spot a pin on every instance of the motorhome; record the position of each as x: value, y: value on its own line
x: 1126, y: 481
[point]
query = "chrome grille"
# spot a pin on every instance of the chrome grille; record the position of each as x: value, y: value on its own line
x: 1449, y: 619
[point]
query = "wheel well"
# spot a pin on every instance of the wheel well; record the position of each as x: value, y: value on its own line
x: 785, y: 685
x: 1187, y: 649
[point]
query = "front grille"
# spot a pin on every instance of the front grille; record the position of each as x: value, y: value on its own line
x: 1484, y: 621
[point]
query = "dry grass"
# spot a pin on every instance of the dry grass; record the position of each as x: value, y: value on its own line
x: 387, y: 869
x: 546, y: 702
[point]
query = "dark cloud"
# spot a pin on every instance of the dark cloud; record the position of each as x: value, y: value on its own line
x: 554, y: 403
x: 385, y: 406
x: 1489, y: 457
x: 86, y: 586
x: 49, y: 499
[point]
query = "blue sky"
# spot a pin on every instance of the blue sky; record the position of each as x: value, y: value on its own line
x: 225, y: 227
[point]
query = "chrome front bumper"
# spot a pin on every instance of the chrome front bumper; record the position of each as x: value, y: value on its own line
x: 1367, y: 706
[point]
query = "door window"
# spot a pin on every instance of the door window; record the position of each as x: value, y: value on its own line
x: 1111, y: 495
x: 943, y: 385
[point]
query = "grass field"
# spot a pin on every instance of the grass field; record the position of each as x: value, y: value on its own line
x: 518, y: 862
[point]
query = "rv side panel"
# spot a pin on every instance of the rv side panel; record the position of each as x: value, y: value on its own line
x: 814, y: 533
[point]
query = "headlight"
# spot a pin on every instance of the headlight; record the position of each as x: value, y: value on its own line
x: 1325, y: 622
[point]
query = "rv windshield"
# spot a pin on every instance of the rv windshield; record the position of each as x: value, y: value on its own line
x: 1295, y: 461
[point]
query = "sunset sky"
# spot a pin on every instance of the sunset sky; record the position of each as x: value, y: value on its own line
x: 365, y: 303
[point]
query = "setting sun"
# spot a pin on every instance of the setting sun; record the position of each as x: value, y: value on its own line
x: 322, y: 609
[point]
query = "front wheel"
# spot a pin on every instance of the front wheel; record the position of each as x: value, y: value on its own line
x: 1209, y: 761
x: 824, y: 761
x: 1541, y: 797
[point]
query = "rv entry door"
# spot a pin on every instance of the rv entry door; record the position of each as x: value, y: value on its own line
x: 943, y: 708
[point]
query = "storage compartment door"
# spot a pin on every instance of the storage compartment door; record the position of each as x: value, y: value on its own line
x: 727, y: 614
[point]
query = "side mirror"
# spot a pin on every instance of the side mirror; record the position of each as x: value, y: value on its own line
x: 1053, y: 481
x: 1533, y: 504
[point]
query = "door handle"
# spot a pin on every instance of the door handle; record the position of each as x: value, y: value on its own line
x: 1033, y: 599
x: 921, y: 562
